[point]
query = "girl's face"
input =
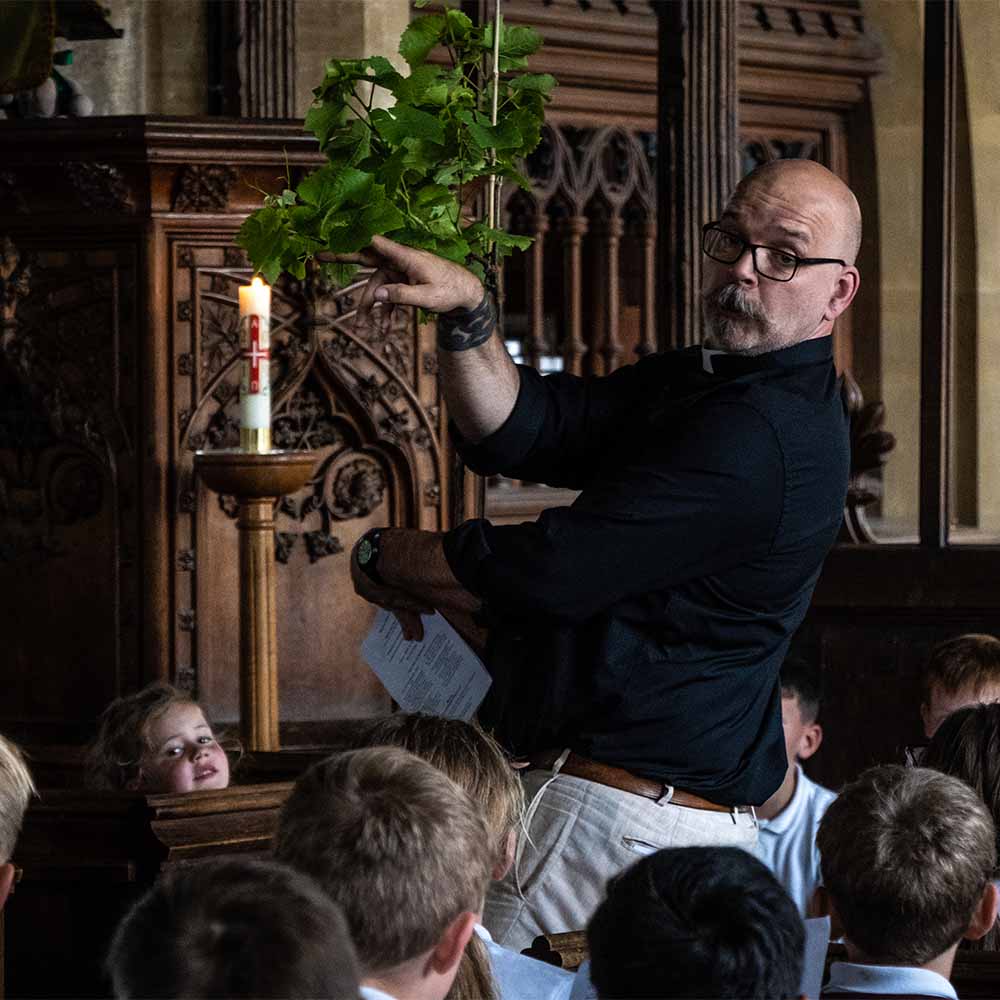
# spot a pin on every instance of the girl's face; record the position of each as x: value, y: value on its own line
x: 183, y: 754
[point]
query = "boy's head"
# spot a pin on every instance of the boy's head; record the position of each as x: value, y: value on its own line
x: 907, y: 855
x: 16, y: 789
x: 157, y: 740
x: 801, y: 693
x: 403, y: 850
x: 961, y: 671
x: 473, y: 760
x: 696, y: 922
x: 234, y: 928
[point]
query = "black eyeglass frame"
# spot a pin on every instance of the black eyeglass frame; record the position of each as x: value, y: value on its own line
x: 754, y: 247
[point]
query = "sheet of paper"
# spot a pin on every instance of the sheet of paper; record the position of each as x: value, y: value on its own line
x: 817, y: 942
x: 439, y: 675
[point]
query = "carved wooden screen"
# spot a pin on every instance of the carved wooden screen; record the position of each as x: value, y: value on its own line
x: 117, y: 566
x: 583, y: 299
x: 367, y: 408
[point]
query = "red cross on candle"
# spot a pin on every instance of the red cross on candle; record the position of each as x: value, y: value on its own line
x: 256, y: 354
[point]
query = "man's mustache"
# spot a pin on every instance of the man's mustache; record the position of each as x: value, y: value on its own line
x: 734, y: 299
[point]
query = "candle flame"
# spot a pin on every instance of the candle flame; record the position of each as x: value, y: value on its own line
x: 257, y: 281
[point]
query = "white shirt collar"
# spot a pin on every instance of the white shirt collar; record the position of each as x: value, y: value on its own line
x: 370, y: 993
x: 706, y: 359
x: 848, y: 977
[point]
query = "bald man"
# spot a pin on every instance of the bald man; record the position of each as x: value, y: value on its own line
x: 635, y: 637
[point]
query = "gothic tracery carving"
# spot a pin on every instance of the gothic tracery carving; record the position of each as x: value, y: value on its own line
x: 870, y: 448
x: 319, y: 363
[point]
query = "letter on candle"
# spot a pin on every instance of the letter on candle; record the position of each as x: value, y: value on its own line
x: 255, y: 364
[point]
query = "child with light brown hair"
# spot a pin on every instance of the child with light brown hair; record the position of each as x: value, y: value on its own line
x: 907, y: 859
x: 961, y: 671
x: 480, y: 767
x: 406, y: 855
x: 157, y: 740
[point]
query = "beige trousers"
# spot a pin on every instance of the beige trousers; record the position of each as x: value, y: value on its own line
x: 576, y: 835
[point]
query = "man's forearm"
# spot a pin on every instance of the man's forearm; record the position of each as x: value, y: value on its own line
x: 478, y: 379
x: 414, y: 561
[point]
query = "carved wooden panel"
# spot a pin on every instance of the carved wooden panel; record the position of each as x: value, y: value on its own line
x: 369, y: 410
x: 116, y: 565
x: 69, y: 510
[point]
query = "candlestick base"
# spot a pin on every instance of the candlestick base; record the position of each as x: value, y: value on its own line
x: 255, y: 440
x: 257, y: 480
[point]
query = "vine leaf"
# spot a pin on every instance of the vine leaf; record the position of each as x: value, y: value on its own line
x: 404, y: 170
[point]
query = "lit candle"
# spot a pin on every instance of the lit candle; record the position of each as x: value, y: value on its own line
x: 255, y: 365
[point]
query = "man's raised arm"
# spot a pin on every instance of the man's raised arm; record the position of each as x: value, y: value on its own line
x: 479, y: 381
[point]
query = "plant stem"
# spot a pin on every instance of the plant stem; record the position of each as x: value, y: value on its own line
x: 492, y: 211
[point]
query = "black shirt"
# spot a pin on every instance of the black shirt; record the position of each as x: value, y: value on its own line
x: 644, y: 625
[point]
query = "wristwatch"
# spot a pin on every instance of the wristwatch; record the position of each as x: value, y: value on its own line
x: 369, y: 549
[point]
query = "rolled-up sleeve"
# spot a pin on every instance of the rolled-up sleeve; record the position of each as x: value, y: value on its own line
x: 700, y: 499
x: 560, y: 421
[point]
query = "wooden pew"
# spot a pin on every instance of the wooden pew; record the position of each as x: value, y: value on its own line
x: 86, y: 856
x: 567, y: 951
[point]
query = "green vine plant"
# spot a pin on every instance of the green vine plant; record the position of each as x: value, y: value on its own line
x: 403, y: 172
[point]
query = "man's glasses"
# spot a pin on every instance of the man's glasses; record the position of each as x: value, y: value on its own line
x: 768, y: 262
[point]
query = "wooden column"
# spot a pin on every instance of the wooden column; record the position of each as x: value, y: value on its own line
x: 252, y: 58
x: 536, y: 344
x: 610, y: 351
x: 575, y: 346
x: 258, y: 626
x: 257, y: 481
x: 647, y: 333
x: 698, y: 150
x: 937, y: 288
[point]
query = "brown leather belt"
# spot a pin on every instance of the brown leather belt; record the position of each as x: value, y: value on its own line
x: 617, y: 777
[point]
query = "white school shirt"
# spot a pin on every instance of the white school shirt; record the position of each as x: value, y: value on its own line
x: 519, y: 977
x: 583, y: 988
x: 888, y: 980
x: 787, y: 843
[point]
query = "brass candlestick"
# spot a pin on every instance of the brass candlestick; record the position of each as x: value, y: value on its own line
x: 257, y: 481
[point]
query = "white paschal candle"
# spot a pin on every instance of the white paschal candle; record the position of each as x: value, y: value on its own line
x: 255, y: 366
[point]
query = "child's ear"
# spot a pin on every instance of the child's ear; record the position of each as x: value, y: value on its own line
x: 135, y: 784
x: 448, y: 951
x: 503, y: 864
x: 985, y: 915
x: 809, y: 742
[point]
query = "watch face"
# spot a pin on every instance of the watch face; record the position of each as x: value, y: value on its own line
x: 365, y: 550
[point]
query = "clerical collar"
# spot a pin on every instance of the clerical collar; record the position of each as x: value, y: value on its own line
x: 806, y: 352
